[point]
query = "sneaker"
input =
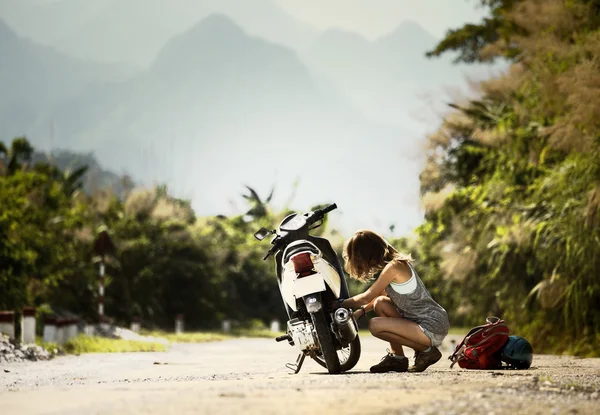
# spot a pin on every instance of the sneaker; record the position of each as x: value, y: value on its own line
x: 389, y: 363
x: 425, y: 359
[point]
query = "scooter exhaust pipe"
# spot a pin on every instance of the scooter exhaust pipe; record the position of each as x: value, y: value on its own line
x: 344, y: 324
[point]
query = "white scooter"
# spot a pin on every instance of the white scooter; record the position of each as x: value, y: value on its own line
x: 310, y: 281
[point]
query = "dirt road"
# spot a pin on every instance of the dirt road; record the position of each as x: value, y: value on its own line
x: 249, y: 376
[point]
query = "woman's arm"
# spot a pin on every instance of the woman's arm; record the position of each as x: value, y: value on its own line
x: 389, y: 273
x: 368, y: 307
x: 363, y: 310
x: 368, y: 297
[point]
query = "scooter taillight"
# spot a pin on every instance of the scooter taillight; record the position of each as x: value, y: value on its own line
x: 303, y: 264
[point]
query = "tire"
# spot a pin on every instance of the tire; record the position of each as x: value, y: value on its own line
x: 327, y: 349
x: 354, y: 355
x: 351, y: 361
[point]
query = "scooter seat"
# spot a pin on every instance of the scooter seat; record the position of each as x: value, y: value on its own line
x: 294, y: 249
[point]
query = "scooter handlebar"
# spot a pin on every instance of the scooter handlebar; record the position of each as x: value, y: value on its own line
x: 271, y: 251
x: 318, y: 215
x: 329, y: 208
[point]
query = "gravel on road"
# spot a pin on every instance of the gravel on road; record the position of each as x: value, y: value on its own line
x: 249, y: 375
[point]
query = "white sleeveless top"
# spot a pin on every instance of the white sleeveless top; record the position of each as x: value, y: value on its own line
x: 406, y: 287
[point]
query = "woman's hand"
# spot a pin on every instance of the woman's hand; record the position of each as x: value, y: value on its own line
x: 337, y: 303
x: 359, y: 313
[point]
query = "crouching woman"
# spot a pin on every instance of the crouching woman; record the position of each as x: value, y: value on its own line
x: 406, y: 313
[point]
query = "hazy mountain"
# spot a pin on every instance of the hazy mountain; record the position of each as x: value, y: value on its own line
x: 383, y: 77
x: 33, y: 78
x: 217, y: 103
x: 135, y: 30
x: 264, y: 18
x: 96, y: 177
x: 46, y: 21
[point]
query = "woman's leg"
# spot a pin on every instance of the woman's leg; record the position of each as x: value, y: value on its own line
x: 390, y: 326
x: 384, y: 307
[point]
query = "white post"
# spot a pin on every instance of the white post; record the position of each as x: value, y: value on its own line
x: 67, y: 329
x: 179, y: 324
x: 226, y: 326
x: 50, y: 330
x: 89, y: 330
x: 135, y: 324
x: 60, y: 331
x: 7, y: 323
x: 101, y: 291
x: 28, y: 325
x: 71, y: 329
x: 275, y: 326
x: 105, y: 325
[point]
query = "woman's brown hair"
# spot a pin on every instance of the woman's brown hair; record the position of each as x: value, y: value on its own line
x: 366, y: 253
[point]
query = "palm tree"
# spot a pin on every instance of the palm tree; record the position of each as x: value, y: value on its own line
x: 13, y: 158
x: 258, y: 208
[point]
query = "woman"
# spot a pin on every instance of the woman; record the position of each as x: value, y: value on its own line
x: 407, y: 315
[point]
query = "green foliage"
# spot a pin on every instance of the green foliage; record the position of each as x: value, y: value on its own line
x: 518, y: 235
x: 471, y: 39
x: 165, y: 262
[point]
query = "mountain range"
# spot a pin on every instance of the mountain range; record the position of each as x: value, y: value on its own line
x: 33, y: 78
x: 385, y: 77
x: 134, y: 31
x: 213, y: 100
x: 221, y: 103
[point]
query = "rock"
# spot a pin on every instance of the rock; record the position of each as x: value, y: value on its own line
x: 12, y: 351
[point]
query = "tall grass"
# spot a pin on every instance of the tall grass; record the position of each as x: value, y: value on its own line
x: 213, y: 336
x: 88, y: 344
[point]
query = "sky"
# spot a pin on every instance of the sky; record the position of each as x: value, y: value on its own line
x: 374, y: 18
x: 382, y: 202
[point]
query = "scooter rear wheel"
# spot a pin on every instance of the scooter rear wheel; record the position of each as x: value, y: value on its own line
x: 348, y: 356
x: 331, y: 360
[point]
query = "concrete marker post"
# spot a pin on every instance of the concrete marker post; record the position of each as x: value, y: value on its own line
x: 7, y: 323
x: 72, y: 331
x: 89, y: 329
x: 60, y: 331
x: 28, y: 325
x: 135, y: 324
x: 226, y: 326
x: 50, y: 329
x: 66, y: 325
x: 105, y: 324
x: 101, y: 291
x: 275, y: 326
x: 179, y: 324
x: 103, y: 246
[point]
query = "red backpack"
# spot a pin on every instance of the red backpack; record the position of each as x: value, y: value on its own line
x: 477, y: 349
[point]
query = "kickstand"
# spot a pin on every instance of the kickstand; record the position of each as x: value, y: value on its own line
x: 296, y: 367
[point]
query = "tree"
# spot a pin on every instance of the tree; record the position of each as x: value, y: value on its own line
x: 512, y: 180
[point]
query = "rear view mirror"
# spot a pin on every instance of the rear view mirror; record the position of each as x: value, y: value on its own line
x: 262, y: 234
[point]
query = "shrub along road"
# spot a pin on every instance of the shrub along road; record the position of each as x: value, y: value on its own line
x: 248, y: 375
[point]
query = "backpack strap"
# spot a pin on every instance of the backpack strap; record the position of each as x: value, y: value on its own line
x: 488, y: 337
x: 459, y: 352
x: 457, y: 355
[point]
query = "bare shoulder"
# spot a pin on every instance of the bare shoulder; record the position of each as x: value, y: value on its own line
x: 399, y: 271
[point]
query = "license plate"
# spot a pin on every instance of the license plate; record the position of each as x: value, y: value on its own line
x: 308, y: 285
